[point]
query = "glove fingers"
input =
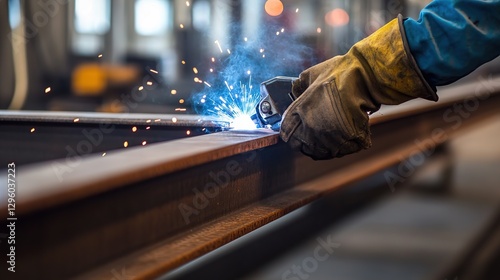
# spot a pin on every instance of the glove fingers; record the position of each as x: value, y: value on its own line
x: 320, y: 126
x: 299, y: 86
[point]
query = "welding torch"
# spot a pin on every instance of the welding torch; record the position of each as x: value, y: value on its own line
x: 276, y: 96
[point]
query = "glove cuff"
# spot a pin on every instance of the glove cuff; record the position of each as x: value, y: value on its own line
x: 431, y: 90
x: 387, y: 66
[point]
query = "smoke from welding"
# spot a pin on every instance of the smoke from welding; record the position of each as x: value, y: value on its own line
x: 232, y: 90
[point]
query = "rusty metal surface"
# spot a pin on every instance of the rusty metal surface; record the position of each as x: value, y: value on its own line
x: 30, y: 137
x: 63, y: 181
x: 182, y: 199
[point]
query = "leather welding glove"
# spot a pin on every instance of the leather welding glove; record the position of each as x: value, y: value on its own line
x: 329, y: 118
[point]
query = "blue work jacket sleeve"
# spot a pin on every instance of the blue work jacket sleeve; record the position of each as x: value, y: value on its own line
x: 452, y: 38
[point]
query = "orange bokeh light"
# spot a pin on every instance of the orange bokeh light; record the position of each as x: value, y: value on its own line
x: 273, y: 7
x: 337, y: 17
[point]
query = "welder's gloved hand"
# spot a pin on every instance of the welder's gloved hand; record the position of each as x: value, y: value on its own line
x: 330, y: 116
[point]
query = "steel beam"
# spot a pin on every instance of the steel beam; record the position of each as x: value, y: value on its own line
x: 34, y: 136
x: 145, y: 211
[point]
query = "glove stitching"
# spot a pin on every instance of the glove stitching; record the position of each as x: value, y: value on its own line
x: 308, y: 144
x: 338, y: 108
x: 289, y: 132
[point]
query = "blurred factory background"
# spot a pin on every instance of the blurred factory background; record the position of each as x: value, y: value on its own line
x: 91, y: 55
x: 150, y: 56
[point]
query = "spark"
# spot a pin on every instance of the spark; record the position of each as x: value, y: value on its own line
x: 76, y: 120
x: 125, y: 144
x: 154, y: 71
x: 144, y: 143
x: 180, y: 109
x: 103, y: 154
x: 181, y: 25
x: 183, y: 62
x: 134, y: 129
x: 47, y: 90
x: 208, y: 85
x: 187, y: 3
x: 242, y: 122
x: 188, y: 132
x: 318, y: 29
x: 235, y: 106
x: 148, y: 128
x: 32, y: 130
x: 148, y: 121
x: 174, y: 119
x: 141, y: 88
x: 231, y: 97
x: 195, y: 70
x: 149, y: 83
x: 196, y: 79
x: 277, y: 33
x: 297, y: 10
x: 173, y: 92
x: 181, y: 101
x: 218, y: 45
x: 158, y: 120
x: 100, y: 55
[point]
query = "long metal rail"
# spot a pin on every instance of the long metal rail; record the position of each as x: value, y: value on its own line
x: 34, y: 136
x: 147, y: 210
